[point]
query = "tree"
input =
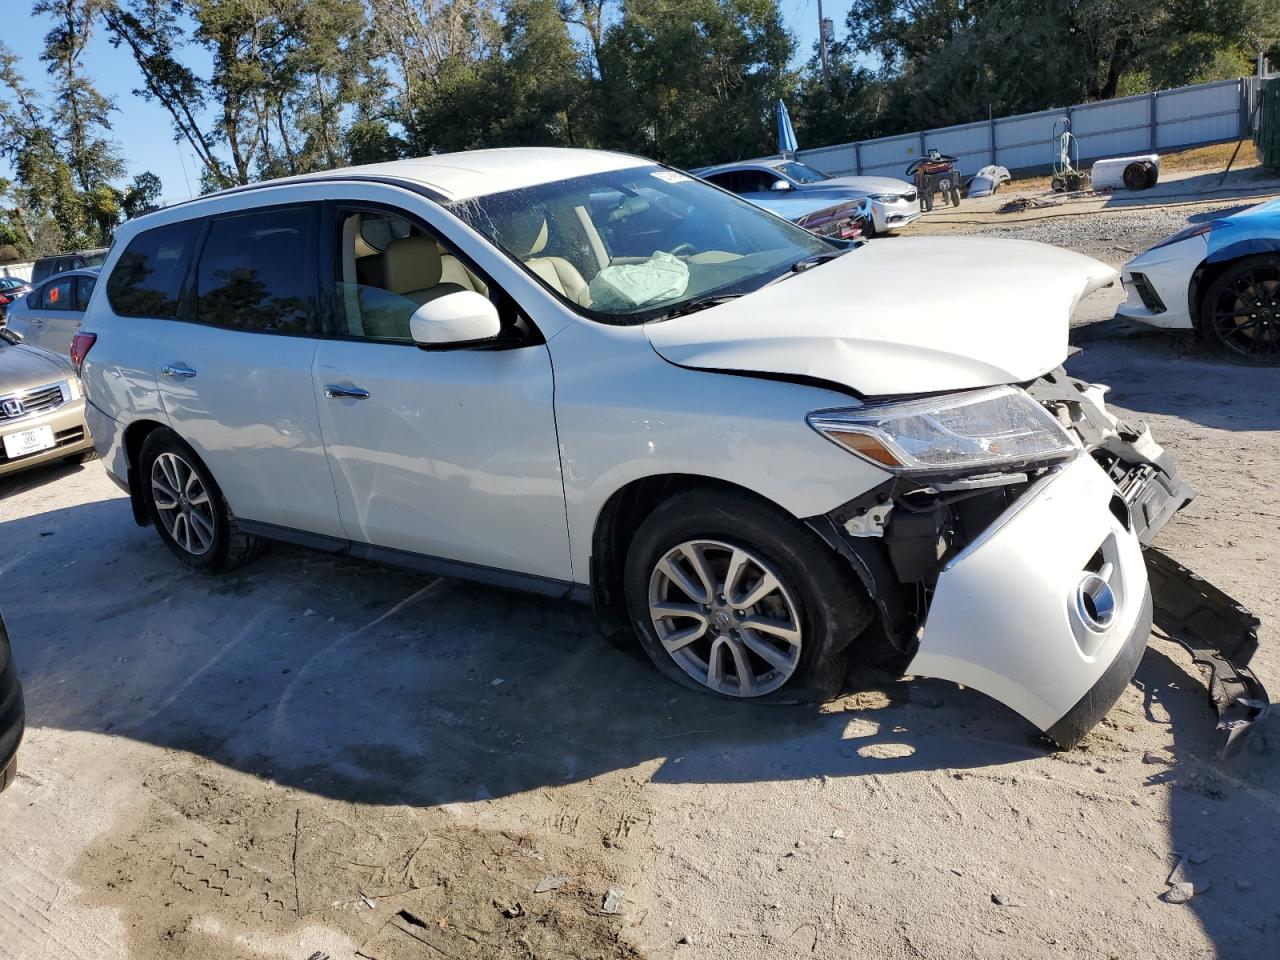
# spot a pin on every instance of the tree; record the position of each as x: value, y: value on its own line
x: 692, y: 81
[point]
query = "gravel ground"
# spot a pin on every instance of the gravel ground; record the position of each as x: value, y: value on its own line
x: 313, y: 757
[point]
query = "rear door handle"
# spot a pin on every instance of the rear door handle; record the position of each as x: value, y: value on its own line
x: 177, y: 370
x: 334, y: 391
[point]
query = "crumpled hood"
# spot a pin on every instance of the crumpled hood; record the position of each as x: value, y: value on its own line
x: 908, y: 315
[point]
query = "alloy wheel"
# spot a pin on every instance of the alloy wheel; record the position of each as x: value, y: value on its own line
x: 183, y: 504
x: 725, y: 617
x: 1246, y: 314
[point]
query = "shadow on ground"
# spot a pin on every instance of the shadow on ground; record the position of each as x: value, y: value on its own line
x: 376, y: 685
x: 1172, y: 373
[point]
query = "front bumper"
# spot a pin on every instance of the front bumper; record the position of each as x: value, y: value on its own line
x: 1007, y: 618
x: 895, y: 216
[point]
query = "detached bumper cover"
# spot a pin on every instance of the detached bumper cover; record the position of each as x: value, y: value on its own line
x: 1221, y: 636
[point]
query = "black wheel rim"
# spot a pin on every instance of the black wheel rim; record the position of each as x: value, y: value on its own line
x: 1246, y: 313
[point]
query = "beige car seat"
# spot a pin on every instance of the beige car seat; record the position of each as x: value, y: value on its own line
x: 526, y: 236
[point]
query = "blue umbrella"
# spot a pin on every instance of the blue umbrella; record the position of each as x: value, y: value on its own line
x: 786, y: 133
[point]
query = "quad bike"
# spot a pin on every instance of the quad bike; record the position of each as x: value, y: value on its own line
x: 935, y: 173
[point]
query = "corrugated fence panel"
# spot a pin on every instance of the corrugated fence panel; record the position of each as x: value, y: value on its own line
x: 837, y: 160
x: 888, y: 156
x: 1187, y: 116
x: 1200, y: 114
x: 1027, y: 140
x: 970, y: 144
x: 1113, y: 127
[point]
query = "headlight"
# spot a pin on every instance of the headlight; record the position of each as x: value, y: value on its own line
x: 884, y: 197
x: 983, y: 429
x: 73, y: 387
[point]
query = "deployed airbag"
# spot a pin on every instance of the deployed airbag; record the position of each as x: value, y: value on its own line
x: 628, y: 285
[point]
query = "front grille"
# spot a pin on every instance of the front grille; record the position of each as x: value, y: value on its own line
x: 63, y: 438
x: 38, y: 400
x: 1150, y: 299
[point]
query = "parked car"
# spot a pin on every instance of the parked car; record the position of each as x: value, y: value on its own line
x: 894, y: 203
x: 51, y: 313
x: 46, y: 267
x: 1220, y: 278
x: 754, y: 448
x: 41, y: 409
x: 11, y: 288
x: 12, y: 716
x: 847, y: 220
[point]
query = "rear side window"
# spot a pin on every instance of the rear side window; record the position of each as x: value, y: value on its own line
x: 147, y: 279
x: 57, y: 295
x: 257, y: 272
x: 84, y: 289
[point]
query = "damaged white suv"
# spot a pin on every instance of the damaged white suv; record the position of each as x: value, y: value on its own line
x: 592, y: 376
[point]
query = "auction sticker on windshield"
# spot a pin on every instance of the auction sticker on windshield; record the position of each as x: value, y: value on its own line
x: 670, y: 176
x: 28, y: 441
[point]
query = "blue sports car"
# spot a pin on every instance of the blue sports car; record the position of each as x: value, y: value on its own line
x: 1220, y: 278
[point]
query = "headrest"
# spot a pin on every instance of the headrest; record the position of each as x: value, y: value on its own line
x: 410, y: 264
x: 525, y: 233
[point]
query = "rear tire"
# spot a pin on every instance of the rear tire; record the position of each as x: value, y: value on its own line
x: 1240, y: 313
x: 778, y: 628
x: 187, y: 508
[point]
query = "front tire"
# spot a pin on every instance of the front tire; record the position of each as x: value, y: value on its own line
x: 731, y: 595
x: 187, y: 508
x: 1240, y: 314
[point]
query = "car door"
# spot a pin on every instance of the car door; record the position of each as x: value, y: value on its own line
x: 234, y: 370
x: 445, y: 453
x: 54, y: 321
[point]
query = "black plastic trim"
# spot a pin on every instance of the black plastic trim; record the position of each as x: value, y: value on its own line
x: 439, y: 566
x: 12, y: 709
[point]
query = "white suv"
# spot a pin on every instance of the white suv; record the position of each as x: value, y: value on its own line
x: 592, y: 376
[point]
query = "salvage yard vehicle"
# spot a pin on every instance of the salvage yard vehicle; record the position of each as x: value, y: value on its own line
x: 487, y: 365
x: 12, y: 717
x: 1220, y: 278
x: 41, y: 409
x: 46, y: 267
x: 893, y: 202
x: 846, y: 220
x: 50, y: 315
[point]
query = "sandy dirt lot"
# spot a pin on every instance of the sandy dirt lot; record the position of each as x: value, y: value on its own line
x: 315, y: 758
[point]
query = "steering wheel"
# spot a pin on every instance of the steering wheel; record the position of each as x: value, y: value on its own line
x: 683, y: 248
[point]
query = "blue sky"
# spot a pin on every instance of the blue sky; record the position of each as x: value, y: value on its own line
x: 145, y: 134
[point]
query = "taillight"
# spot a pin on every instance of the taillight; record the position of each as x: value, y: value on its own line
x: 81, y: 343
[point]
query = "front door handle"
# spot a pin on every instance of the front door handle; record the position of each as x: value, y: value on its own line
x: 37, y: 322
x: 334, y: 391
x: 177, y: 370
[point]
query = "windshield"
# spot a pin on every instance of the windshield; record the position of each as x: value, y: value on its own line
x: 633, y: 245
x: 799, y: 172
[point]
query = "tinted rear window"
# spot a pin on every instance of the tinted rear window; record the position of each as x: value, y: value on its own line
x: 256, y: 272
x: 147, y: 279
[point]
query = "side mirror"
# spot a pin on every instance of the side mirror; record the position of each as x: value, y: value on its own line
x: 455, y: 319
x: 780, y: 185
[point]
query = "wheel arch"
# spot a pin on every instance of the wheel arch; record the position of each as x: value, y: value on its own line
x: 617, y: 522
x: 1217, y: 263
x: 135, y: 434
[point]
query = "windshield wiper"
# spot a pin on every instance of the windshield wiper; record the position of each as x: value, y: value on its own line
x: 800, y: 266
x: 696, y: 304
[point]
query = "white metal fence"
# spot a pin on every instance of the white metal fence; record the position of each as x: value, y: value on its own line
x: 1185, y: 117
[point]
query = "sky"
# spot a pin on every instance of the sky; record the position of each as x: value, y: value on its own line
x: 145, y: 134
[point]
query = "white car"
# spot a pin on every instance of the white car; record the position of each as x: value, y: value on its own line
x: 894, y: 203
x: 1220, y: 278
x: 505, y: 365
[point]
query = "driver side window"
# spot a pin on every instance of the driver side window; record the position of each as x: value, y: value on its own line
x: 384, y: 268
